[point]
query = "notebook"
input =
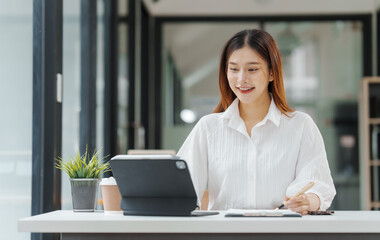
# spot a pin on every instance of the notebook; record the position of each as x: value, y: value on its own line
x: 261, y: 213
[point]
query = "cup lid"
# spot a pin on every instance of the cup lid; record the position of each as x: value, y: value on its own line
x: 108, y: 181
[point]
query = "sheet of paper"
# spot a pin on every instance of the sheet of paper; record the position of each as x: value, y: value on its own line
x: 261, y: 212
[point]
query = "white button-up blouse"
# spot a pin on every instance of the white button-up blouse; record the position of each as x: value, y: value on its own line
x: 282, y: 155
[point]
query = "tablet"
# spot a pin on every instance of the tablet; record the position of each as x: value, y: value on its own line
x: 154, y: 185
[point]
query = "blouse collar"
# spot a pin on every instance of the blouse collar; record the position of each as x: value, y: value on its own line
x: 232, y: 113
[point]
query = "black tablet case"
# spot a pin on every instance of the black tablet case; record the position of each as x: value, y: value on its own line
x: 154, y: 186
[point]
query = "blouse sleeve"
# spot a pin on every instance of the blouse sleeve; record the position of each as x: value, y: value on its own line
x: 194, y: 152
x: 312, y: 165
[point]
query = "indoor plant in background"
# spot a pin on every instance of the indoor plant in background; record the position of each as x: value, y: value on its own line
x: 85, y: 173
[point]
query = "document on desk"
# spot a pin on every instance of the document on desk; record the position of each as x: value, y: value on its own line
x: 261, y: 213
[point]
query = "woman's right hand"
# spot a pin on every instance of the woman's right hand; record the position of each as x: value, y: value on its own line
x: 303, y: 203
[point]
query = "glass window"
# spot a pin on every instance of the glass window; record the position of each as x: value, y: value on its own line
x: 71, y: 86
x: 16, y: 98
x: 71, y: 90
x: 122, y: 129
x: 122, y: 8
x: 100, y: 78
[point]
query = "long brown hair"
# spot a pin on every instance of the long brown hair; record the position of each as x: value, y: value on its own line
x: 264, y: 44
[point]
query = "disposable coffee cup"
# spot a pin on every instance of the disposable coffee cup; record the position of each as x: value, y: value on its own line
x: 111, y: 196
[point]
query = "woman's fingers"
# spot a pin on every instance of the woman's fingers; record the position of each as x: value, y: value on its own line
x: 303, y: 209
x: 300, y: 200
x: 299, y: 204
x: 300, y: 209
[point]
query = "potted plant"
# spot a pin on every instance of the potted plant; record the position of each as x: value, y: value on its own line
x: 85, y: 174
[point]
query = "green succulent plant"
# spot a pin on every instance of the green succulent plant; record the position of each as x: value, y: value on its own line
x: 82, y: 166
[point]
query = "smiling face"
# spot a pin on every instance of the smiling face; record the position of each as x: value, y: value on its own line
x: 248, y: 76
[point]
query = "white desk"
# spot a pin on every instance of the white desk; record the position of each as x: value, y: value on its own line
x: 342, y: 225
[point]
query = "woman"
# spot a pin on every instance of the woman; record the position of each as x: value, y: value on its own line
x: 254, y: 151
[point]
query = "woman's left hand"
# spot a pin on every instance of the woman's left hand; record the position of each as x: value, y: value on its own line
x: 303, y: 203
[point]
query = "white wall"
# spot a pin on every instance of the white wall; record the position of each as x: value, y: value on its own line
x: 258, y: 7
